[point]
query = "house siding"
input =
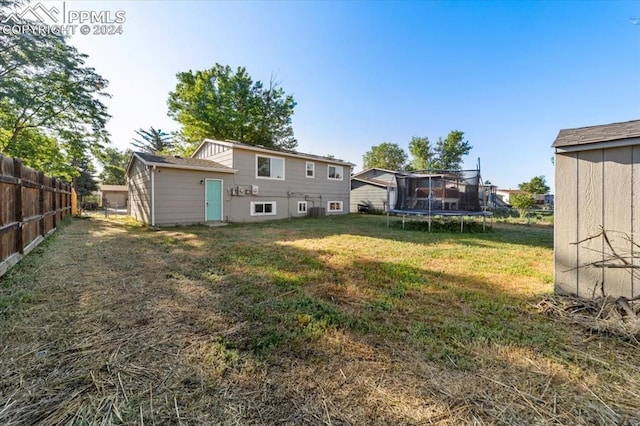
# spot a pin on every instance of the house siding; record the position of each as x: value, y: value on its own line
x: 215, y: 152
x: 595, y: 189
x: 139, y: 182
x: 379, y: 175
x: 373, y: 196
x: 180, y: 197
x: 286, y: 193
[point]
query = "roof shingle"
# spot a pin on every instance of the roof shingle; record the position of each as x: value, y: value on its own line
x: 186, y: 163
x: 595, y: 134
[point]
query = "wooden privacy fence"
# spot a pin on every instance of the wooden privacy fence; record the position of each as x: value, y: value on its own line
x: 31, y: 206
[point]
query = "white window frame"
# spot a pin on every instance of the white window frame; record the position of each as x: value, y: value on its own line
x: 253, y: 208
x: 336, y: 171
x: 300, y: 204
x: 270, y: 157
x: 313, y: 169
x: 330, y: 210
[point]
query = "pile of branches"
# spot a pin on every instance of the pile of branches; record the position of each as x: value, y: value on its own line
x: 606, y: 315
x: 602, y: 313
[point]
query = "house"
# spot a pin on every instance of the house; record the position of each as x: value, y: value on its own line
x: 374, y: 188
x: 540, y: 199
x: 597, y: 187
x: 225, y: 181
x: 114, y: 196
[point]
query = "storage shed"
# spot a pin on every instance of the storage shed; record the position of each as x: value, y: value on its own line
x: 598, y: 188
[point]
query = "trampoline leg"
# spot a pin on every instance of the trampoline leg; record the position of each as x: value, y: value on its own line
x: 484, y: 223
x: 387, y: 218
x: 402, y: 221
x: 461, y: 223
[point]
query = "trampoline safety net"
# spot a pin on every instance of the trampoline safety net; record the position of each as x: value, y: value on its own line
x: 442, y: 191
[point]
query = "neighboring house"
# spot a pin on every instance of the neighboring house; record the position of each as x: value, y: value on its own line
x: 597, y: 187
x: 226, y: 181
x: 374, y: 188
x: 113, y: 195
x: 541, y: 199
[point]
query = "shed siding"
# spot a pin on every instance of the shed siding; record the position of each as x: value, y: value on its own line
x: 565, y: 228
x: 373, y: 196
x: 596, y: 189
x: 635, y: 214
x: 140, y: 192
x: 590, y: 208
x: 617, y: 193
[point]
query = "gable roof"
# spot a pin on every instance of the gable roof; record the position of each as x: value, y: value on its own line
x: 272, y: 151
x: 598, y: 134
x: 373, y: 182
x: 174, y: 162
x: 375, y: 168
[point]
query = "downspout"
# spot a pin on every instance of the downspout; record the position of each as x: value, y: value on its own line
x: 153, y: 196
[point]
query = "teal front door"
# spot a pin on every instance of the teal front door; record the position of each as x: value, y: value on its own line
x: 213, y: 200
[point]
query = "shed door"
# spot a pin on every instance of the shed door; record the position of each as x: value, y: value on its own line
x: 213, y: 200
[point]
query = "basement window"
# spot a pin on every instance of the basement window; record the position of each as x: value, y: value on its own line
x: 266, y: 208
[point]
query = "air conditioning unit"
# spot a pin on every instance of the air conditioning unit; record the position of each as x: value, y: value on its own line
x: 241, y: 191
x: 234, y: 190
x: 317, y: 211
x: 254, y: 190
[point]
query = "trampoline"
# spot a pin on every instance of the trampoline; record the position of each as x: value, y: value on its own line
x: 445, y: 193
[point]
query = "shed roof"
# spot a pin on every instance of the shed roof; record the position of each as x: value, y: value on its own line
x: 180, y: 163
x: 597, y: 134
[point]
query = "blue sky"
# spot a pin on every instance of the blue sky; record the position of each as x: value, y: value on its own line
x: 508, y: 74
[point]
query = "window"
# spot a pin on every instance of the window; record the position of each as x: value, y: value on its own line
x: 334, y: 172
x: 311, y: 169
x: 267, y: 208
x: 334, y: 206
x: 269, y: 167
x: 302, y: 207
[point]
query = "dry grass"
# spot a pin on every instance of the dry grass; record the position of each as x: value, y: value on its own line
x: 333, y: 321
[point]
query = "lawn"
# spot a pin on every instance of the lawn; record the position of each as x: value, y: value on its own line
x: 338, y: 320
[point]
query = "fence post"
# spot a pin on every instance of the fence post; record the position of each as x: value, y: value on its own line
x: 17, y: 173
x: 54, y: 207
x: 41, y: 222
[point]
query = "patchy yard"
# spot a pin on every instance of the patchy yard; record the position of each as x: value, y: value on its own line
x: 322, y: 321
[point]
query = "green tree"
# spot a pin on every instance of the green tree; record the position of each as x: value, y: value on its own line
x: 114, y: 166
x: 47, y: 94
x: 85, y: 183
x: 449, y: 151
x: 223, y: 104
x: 154, y: 141
x: 385, y: 156
x: 525, y: 200
x: 421, y: 152
x: 536, y: 185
